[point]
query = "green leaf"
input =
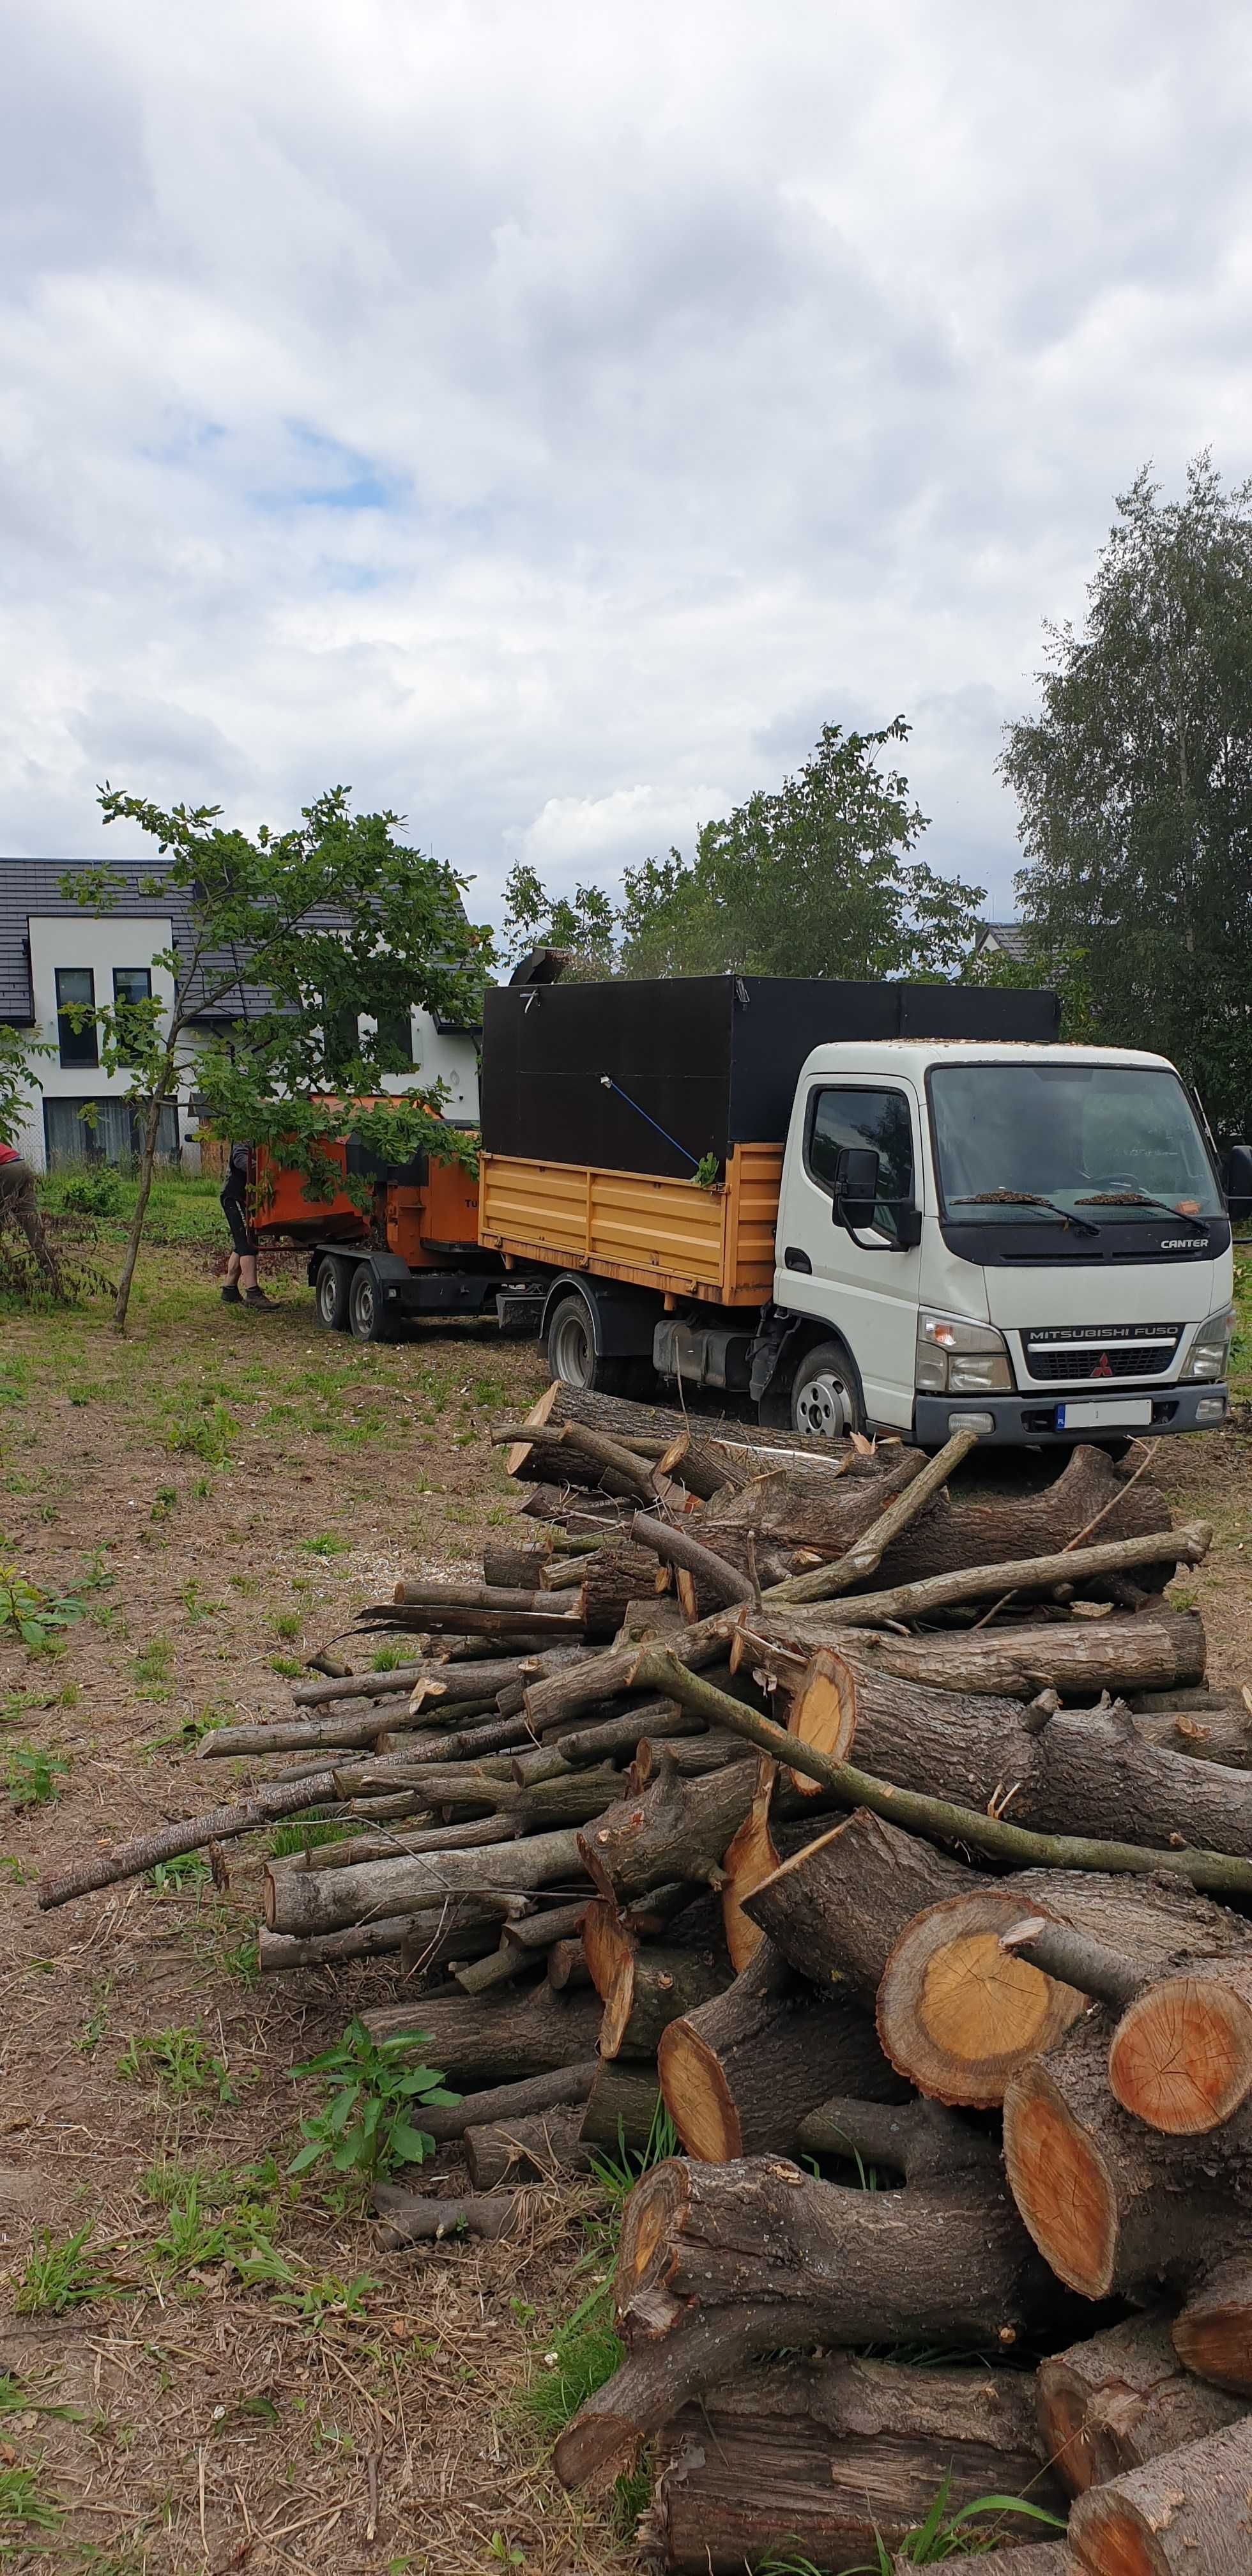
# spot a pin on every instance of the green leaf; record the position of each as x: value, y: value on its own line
x: 410, y: 2146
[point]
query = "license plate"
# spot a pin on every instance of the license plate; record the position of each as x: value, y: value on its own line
x: 1105, y: 1412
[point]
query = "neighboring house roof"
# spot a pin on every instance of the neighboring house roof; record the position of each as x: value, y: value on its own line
x: 33, y: 886
x: 1012, y: 938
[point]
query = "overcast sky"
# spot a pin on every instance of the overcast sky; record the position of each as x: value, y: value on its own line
x: 544, y: 416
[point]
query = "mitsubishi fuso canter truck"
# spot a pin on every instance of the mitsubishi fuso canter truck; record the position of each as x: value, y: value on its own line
x: 862, y: 1206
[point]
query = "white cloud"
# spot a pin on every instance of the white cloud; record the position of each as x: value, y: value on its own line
x: 499, y: 408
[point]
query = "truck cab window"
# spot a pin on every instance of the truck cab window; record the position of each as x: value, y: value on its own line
x: 843, y: 1116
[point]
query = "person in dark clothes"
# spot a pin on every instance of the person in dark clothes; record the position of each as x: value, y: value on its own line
x: 242, y: 1287
x: 20, y: 1207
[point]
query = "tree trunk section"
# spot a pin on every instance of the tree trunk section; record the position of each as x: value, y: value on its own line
x: 1078, y: 1658
x: 794, y: 1507
x: 835, y: 1908
x: 313, y: 1900
x: 613, y: 1579
x: 1181, y: 2055
x: 510, y: 2103
x: 410, y: 2218
x: 478, y: 2044
x: 739, y: 2074
x: 1213, y: 2331
x: 1188, y: 2514
x: 958, y: 2014
x: 1121, y: 2399
x: 677, y: 1829
x: 541, y: 2149
x: 824, y: 2459
x: 622, y: 2107
x: 743, y: 1441
x: 653, y: 1987
x: 1111, y: 2205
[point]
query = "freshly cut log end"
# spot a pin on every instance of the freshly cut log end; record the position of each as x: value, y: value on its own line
x: 652, y: 1989
x: 837, y: 1904
x: 956, y: 2012
x: 823, y: 1713
x: 1213, y: 2333
x: 751, y: 1857
x: 1061, y: 2184
x: 1181, y: 2056
x: 1120, y: 2399
x: 1188, y: 2513
x: 739, y: 2076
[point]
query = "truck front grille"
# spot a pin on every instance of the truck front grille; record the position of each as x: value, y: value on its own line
x: 1067, y: 1354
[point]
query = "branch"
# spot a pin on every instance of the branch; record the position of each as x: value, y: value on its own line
x: 867, y: 1554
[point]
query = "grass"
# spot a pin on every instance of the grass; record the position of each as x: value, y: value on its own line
x: 31, y: 1776
x: 183, y: 1207
x: 58, y: 2274
x: 585, y: 2350
x: 183, y: 2068
x: 24, y: 2507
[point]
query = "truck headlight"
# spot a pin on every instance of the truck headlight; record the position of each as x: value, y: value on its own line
x: 959, y: 1358
x: 1210, y: 1350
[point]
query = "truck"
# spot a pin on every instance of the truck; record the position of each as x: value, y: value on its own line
x: 853, y: 1207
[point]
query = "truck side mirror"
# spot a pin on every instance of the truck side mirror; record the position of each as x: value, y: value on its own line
x: 1238, y: 1179
x: 856, y: 1186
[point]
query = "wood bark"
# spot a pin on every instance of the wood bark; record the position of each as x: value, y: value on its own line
x: 711, y: 1750
x: 959, y: 2010
x: 1120, y: 2399
x: 480, y: 2045
x: 824, y: 2460
x: 1111, y: 2205
x: 315, y: 1900
x: 837, y: 1905
x: 410, y: 2218
x: 884, y: 1534
x: 1033, y: 2558
x: 264, y: 1806
x: 797, y: 1506
x: 719, y: 1580
x: 622, y: 2107
x: 739, y: 2074
x: 522, y: 1565
x: 653, y: 1987
x: 616, y: 1576
x: 547, y: 2145
x: 1218, y: 1733
x: 742, y: 1441
x: 718, y: 2263
x: 1213, y: 2329
x: 1188, y: 2512
x: 1076, y: 1658
x: 621, y: 1732
x: 463, y: 1936
x: 677, y: 1829
x: 542, y: 1626
x: 355, y: 1686
x: 510, y: 2102
x: 1049, y: 1772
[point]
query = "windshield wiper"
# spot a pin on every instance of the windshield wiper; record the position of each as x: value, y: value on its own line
x: 1029, y: 1198
x: 1139, y: 1198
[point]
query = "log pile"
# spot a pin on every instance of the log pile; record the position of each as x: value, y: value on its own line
x: 896, y: 1843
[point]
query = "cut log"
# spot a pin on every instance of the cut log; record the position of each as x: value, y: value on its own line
x: 958, y: 2011
x: 622, y: 2108
x: 739, y: 2074
x: 1090, y: 1497
x: 510, y: 2102
x: 1078, y: 1658
x: 751, y: 1854
x: 542, y: 1625
x: 612, y: 1579
x: 1213, y: 2330
x: 1121, y: 2399
x: 539, y: 2149
x: 263, y: 1806
x: 794, y: 1506
x: 1049, y: 1772
x: 412, y: 2219
x: 838, y: 1904
x: 832, y: 2460
x: 1187, y: 2514
x: 566, y: 1966
x: 313, y: 1900
x: 621, y: 1732
x: 520, y: 1567
x: 1111, y: 2205
x: 718, y: 2263
x: 690, y: 1755
x: 653, y: 1987
x: 719, y: 1580
x: 1181, y: 2055
x: 742, y: 1441
x: 463, y: 1936
x: 355, y: 1686
x: 677, y: 1829
x: 478, y: 2044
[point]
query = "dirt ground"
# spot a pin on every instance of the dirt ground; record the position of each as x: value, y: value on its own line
x: 229, y: 1487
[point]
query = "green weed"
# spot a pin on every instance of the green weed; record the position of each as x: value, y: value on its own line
x: 186, y: 1869
x: 365, y: 2127
x: 327, y: 1545
x: 164, y: 1501
x: 301, y: 1834
x: 31, y: 1776
x: 57, y: 2276
x: 24, y: 2507
x: 180, y: 2064
x: 13, y: 1869
x: 387, y: 1659
x: 287, y: 1626
x: 937, y: 2537
x: 585, y: 2350
x: 289, y: 1666
x: 207, y: 1435
x: 152, y: 1669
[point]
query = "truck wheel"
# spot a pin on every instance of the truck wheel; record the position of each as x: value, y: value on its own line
x: 367, y: 1312
x: 572, y: 1355
x: 330, y: 1294
x: 826, y: 1394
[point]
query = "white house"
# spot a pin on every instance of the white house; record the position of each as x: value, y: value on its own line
x: 54, y: 954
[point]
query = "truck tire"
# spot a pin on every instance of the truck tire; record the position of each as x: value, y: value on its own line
x: 826, y: 1398
x: 572, y: 1354
x: 368, y: 1317
x: 330, y: 1294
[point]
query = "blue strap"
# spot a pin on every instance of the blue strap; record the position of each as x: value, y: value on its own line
x: 609, y: 1085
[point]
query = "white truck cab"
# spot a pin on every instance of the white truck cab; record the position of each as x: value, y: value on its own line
x: 1029, y: 1242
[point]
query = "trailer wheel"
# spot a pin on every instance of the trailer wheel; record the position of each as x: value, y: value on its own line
x: 368, y: 1318
x: 330, y: 1294
x: 826, y: 1394
x: 572, y: 1353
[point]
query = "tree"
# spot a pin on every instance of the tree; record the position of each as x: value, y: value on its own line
x: 18, y: 1078
x: 327, y: 923
x: 1135, y: 786
x: 582, y: 923
x: 814, y: 879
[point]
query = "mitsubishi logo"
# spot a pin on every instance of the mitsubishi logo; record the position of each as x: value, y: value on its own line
x: 1103, y: 1366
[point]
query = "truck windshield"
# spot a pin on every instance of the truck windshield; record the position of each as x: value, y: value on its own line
x: 1083, y: 1146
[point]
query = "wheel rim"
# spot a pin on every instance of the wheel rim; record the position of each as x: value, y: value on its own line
x: 363, y: 1306
x: 824, y: 1407
x: 327, y: 1296
x: 571, y: 1350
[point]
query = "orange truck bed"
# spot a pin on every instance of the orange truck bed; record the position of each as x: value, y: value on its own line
x: 684, y: 1241
x: 428, y: 1222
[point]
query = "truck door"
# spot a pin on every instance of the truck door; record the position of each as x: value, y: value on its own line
x: 865, y: 1286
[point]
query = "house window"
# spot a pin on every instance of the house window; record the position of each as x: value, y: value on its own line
x: 395, y: 1040
x: 131, y: 984
x: 339, y: 1020
x: 76, y: 987
x: 114, y: 1134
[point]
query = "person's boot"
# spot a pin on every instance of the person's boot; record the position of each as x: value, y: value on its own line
x: 256, y: 1297
x: 231, y: 1295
